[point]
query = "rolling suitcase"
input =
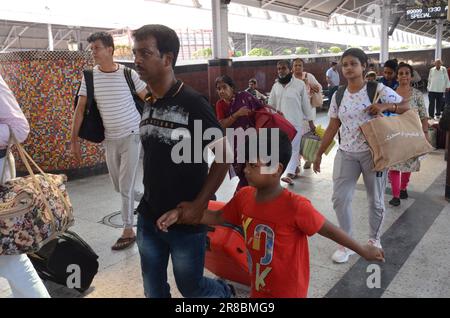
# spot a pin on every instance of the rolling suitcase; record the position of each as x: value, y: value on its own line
x: 440, y: 136
x: 63, y: 258
x: 226, y: 254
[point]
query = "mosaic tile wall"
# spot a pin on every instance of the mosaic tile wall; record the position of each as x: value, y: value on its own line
x: 45, y: 84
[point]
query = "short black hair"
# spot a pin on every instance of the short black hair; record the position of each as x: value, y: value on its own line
x: 284, y: 146
x: 225, y: 79
x: 106, y: 39
x: 403, y: 64
x: 333, y: 63
x: 285, y: 62
x: 167, y: 39
x: 357, y: 53
x: 253, y: 80
x: 392, y: 64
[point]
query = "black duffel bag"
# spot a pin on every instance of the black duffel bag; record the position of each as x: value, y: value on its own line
x: 63, y: 258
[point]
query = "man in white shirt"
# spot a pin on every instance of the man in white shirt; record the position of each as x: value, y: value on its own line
x: 121, y: 121
x: 289, y: 96
x: 438, y: 84
x: 333, y: 79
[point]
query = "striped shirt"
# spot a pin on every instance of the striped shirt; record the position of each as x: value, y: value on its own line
x: 115, y: 102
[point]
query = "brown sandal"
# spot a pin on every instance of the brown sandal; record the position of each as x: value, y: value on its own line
x: 123, y: 243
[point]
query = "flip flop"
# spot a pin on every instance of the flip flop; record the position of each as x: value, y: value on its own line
x: 123, y: 243
x: 287, y: 180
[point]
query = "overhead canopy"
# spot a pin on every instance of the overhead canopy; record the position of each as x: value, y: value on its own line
x: 28, y: 35
x: 358, y: 9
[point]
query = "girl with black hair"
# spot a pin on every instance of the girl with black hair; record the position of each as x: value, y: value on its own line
x: 354, y: 157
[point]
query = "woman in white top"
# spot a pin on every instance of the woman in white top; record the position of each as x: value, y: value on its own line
x: 312, y: 87
x: 354, y: 156
x: 17, y: 269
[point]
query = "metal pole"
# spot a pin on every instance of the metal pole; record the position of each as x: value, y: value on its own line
x: 248, y: 43
x: 385, y: 17
x: 439, y: 28
x: 50, y: 37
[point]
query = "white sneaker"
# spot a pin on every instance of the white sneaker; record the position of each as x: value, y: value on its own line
x: 374, y: 242
x: 138, y: 195
x: 342, y: 254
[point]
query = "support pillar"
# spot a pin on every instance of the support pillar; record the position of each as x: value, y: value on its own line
x: 385, y: 18
x: 439, y: 29
x: 50, y: 37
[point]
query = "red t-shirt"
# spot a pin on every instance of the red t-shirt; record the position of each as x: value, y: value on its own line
x: 222, y: 108
x: 276, y: 238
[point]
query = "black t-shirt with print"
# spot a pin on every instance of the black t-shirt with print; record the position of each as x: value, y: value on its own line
x: 168, y: 183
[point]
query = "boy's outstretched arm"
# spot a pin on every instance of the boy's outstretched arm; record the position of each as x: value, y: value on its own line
x: 369, y: 252
x: 173, y: 216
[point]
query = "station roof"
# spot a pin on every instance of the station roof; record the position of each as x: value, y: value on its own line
x: 358, y: 9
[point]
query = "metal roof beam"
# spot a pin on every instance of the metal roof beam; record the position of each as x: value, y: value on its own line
x: 312, y: 8
x: 13, y: 28
x: 15, y: 39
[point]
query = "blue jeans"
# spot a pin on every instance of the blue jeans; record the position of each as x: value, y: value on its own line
x: 188, y: 258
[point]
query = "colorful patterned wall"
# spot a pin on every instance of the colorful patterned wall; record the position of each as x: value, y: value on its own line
x: 45, y: 84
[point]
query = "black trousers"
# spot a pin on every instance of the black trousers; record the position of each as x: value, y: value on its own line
x: 436, y: 100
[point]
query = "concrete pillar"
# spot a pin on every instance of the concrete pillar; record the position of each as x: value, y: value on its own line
x: 385, y: 17
x: 220, y: 29
x: 50, y: 37
x: 439, y: 28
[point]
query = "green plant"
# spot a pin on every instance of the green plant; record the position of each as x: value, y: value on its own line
x: 203, y: 53
x: 334, y: 49
x: 301, y: 50
x: 260, y: 52
x: 287, y: 52
x: 375, y: 48
x: 238, y: 53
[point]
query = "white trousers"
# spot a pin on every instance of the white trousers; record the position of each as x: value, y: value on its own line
x: 295, y: 157
x: 122, y: 159
x: 22, y: 277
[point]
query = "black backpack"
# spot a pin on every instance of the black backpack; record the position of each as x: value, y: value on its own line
x: 92, y: 128
x: 137, y: 100
x: 371, y: 92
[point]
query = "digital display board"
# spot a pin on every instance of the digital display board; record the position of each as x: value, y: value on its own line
x: 426, y: 13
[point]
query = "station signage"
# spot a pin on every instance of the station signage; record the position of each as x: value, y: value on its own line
x: 426, y: 13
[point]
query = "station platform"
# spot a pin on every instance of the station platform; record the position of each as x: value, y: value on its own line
x: 415, y: 238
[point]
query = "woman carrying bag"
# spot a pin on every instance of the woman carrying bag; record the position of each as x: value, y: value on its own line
x: 399, y: 174
x: 314, y: 90
x: 17, y: 269
x: 354, y: 156
x: 234, y: 110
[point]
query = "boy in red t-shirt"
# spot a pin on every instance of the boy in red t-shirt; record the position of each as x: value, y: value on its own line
x: 276, y: 224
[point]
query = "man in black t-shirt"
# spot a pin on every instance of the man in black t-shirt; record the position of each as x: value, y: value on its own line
x: 173, y: 109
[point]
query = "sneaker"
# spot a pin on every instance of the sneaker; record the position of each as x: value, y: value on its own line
x: 138, y: 195
x: 374, y: 242
x: 341, y: 255
x: 307, y: 165
x: 395, y: 202
x: 403, y: 194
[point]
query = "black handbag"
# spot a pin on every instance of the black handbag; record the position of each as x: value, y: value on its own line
x: 92, y: 128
